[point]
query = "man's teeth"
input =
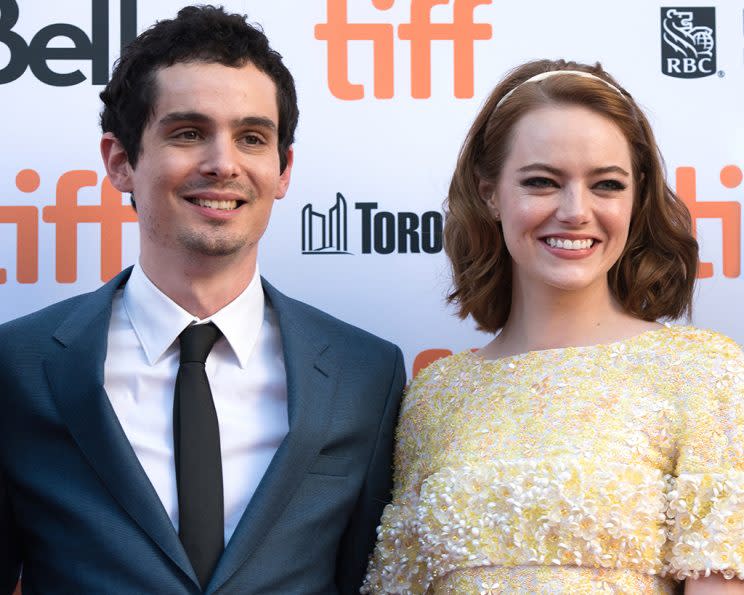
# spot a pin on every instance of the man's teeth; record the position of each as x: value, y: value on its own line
x: 569, y: 244
x: 223, y: 205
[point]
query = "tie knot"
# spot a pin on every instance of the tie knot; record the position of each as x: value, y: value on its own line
x: 197, y: 341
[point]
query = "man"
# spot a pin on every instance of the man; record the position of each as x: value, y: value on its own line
x: 127, y: 464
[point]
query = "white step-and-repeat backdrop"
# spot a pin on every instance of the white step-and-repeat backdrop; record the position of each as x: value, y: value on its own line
x: 376, y: 144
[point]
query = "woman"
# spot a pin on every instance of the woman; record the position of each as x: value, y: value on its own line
x: 587, y: 448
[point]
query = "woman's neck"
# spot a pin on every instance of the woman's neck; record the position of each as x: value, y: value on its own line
x: 553, y: 318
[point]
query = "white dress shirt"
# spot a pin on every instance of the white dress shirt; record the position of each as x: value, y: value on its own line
x: 246, y: 374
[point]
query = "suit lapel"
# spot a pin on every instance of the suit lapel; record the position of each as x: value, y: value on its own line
x: 75, y: 374
x: 311, y: 368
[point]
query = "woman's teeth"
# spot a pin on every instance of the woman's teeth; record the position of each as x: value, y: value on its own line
x: 569, y: 244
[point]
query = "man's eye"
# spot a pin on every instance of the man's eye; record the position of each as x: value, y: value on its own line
x: 539, y: 182
x: 187, y: 135
x: 613, y: 185
x: 253, y: 139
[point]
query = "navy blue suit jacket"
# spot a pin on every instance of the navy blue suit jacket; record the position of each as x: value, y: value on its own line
x: 79, y: 514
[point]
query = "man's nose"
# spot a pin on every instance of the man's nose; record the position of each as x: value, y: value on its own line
x: 221, y: 158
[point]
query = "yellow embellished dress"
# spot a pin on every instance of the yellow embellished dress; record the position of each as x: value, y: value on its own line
x: 614, y: 468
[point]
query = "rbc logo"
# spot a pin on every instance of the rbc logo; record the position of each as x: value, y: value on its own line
x: 37, y: 53
x: 688, y: 42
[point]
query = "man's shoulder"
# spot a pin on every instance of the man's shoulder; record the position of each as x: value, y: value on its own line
x: 33, y: 328
x: 47, y: 318
x: 307, y: 319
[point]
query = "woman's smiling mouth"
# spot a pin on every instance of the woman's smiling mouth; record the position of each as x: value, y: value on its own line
x: 568, y: 244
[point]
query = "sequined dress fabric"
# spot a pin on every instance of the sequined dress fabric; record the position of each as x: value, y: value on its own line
x: 615, y: 468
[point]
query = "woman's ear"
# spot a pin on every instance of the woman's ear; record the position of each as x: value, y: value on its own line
x: 487, y: 191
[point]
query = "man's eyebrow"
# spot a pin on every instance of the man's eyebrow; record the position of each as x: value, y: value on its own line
x: 174, y: 117
x: 259, y: 121
x: 610, y: 169
x: 199, y: 118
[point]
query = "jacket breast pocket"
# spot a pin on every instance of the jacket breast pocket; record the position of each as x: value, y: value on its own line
x: 330, y: 465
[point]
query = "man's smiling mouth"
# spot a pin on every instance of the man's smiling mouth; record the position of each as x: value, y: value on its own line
x: 220, y: 205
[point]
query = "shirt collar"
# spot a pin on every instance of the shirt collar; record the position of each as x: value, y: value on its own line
x: 157, y: 320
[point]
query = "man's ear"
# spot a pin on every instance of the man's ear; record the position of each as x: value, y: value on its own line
x: 286, y: 174
x: 487, y: 192
x: 116, y: 162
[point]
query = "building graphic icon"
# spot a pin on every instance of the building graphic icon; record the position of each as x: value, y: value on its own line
x: 325, y: 233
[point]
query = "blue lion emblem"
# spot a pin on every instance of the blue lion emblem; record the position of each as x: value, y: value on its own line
x: 681, y: 35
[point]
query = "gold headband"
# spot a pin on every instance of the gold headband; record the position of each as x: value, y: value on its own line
x: 545, y: 75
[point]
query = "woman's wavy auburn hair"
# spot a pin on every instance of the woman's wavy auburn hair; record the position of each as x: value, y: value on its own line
x: 654, y: 276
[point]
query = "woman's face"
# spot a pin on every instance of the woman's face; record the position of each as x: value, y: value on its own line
x: 564, y: 197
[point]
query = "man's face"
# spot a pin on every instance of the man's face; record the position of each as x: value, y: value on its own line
x: 208, y: 171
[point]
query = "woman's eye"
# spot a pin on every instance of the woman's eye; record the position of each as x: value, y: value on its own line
x: 614, y: 185
x: 539, y: 182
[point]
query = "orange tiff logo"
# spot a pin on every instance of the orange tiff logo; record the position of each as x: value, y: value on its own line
x: 728, y: 212
x: 65, y: 215
x: 420, y: 31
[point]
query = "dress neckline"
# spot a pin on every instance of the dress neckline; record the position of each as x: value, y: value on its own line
x: 636, y: 341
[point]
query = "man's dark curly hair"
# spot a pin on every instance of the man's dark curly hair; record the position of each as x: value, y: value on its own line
x: 197, y: 34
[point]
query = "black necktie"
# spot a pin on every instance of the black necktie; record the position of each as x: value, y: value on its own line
x: 196, y: 440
